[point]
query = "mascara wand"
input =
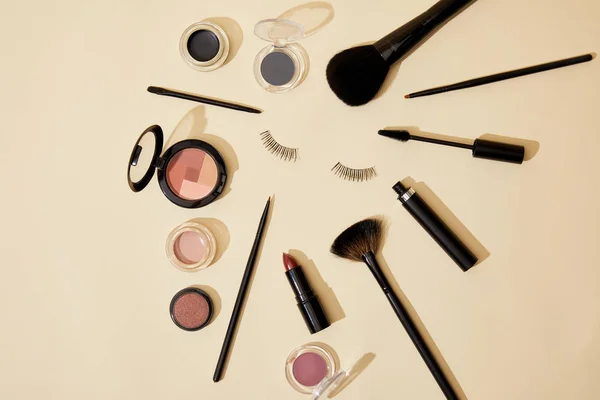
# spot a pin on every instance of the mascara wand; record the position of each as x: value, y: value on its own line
x: 480, y: 148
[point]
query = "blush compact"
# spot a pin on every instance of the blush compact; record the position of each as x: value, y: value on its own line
x: 283, y: 65
x: 191, y: 173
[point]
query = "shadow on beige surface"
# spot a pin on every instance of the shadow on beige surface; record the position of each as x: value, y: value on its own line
x: 234, y: 33
x: 216, y: 300
x: 328, y: 299
x: 219, y: 229
x: 193, y: 126
x: 421, y: 327
x: 459, y: 229
x: 313, y: 16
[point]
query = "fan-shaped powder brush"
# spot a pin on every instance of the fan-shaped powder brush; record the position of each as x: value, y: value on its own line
x: 361, y: 242
x: 355, y: 75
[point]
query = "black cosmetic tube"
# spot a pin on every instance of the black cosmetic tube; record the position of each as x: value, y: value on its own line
x: 436, y: 228
x: 308, y: 302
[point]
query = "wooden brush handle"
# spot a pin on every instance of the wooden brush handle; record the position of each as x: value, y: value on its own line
x: 395, y: 45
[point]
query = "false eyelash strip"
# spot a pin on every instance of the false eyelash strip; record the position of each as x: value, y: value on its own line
x: 283, y: 152
x: 353, y: 174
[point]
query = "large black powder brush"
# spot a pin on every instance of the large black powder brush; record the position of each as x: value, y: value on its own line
x: 355, y: 75
x: 361, y: 242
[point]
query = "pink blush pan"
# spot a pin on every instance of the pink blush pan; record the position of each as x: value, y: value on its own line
x: 190, y: 247
x: 191, y: 309
x: 192, y: 174
x: 309, y: 369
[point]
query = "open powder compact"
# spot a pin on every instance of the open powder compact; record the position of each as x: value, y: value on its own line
x: 191, y: 247
x: 204, y: 46
x: 191, y: 309
x: 281, y: 66
x: 311, y: 369
x: 191, y: 173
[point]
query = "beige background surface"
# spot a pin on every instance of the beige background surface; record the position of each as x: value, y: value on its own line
x: 85, y: 283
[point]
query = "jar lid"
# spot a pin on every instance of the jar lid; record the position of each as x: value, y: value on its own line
x: 144, y: 158
x: 279, y: 31
x: 329, y: 386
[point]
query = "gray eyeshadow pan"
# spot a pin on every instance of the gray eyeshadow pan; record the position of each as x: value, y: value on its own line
x: 277, y: 68
x: 203, y: 45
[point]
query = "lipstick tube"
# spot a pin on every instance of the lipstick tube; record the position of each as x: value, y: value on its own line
x: 308, y: 302
x: 436, y: 228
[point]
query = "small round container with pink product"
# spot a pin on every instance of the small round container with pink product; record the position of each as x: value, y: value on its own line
x: 191, y: 173
x: 191, y: 247
x: 191, y: 309
x: 312, y: 369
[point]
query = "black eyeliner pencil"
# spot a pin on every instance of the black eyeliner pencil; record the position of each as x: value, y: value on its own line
x: 484, y: 80
x: 239, y: 302
x: 203, y: 100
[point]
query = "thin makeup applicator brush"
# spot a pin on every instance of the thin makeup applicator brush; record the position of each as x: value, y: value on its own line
x: 355, y: 75
x: 480, y: 148
x: 361, y: 242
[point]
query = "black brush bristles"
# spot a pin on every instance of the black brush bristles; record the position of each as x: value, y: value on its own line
x: 361, y: 238
x: 354, y: 174
x: 401, y: 135
x: 355, y: 75
x: 273, y: 146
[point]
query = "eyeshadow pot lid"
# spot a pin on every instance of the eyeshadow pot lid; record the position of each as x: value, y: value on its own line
x: 191, y: 173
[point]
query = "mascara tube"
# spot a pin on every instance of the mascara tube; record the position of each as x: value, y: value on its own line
x: 436, y: 228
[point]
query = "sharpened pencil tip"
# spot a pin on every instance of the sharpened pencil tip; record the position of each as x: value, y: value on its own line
x: 407, y: 96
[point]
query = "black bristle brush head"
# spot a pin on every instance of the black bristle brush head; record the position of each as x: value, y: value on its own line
x: 359, y: 239
x: 401, y: 135
x: 355, y: 75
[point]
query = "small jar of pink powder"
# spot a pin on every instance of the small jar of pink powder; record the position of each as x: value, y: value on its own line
x: 312, y: 369
x: 191, y: 247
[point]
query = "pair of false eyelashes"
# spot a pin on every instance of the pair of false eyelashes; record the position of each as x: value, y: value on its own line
x: 292, y: 154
